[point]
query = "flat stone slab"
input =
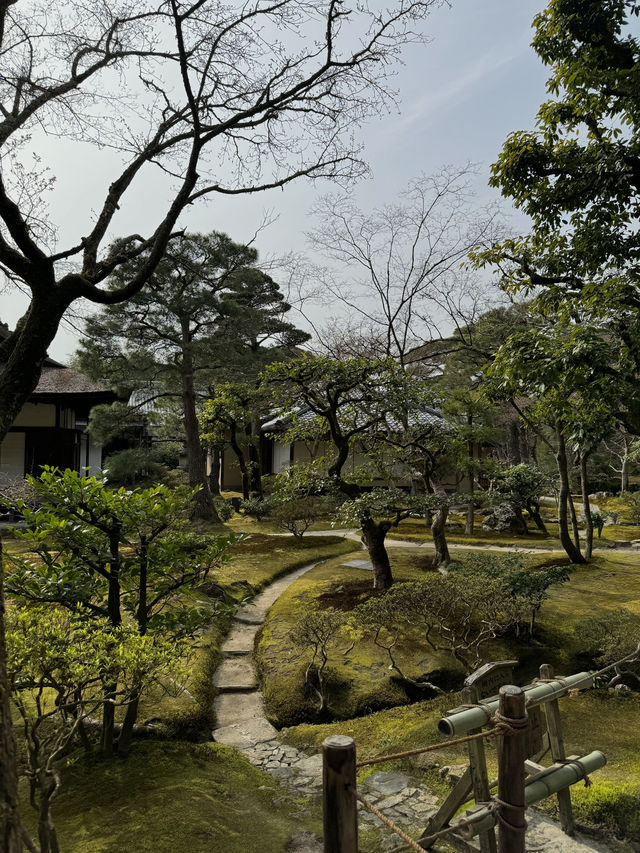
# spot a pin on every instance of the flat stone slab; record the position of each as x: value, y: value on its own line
x: 360, y: 564
x: 231, y: 708
x: 240, y: 640
x: 235, y: 674
x: 387, y: 782
x: 246, y: 734
x: 251, y: 615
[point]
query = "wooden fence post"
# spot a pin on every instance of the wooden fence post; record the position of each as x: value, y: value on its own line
x: 556, y: 741
x: 339, y: 804
x: 511, y: 757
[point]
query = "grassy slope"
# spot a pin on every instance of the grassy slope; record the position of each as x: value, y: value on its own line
x: 172, y: 798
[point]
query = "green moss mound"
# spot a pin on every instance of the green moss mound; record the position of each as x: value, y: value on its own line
x: 169, y: 797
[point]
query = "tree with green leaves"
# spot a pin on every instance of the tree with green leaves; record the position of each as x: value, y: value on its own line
x: 577, y: 177
x: 521, y: 486
x: 207, y: 311
x: 58, y: 666
x: 568, y: 376
x: 232, y: 416
x: 116, y: 556
x: 358, y: 408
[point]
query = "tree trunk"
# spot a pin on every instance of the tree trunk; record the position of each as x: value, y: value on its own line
x: 533, y: 508
x: 126, y: 732
x: 574, y: 519
x: 47, y: 835
x: 214, y: 476
x: 242, y: 464
x: 10, y: 832
x: 255, y: 461
x: 586, y: 506
x: 204, y: 508
x: 563, y: 522
x: 624, y: 475
x: 373, y: 536
x: 438, y: 531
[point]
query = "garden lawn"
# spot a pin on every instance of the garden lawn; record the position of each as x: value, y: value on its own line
x: 414, y: 530
x: 173, y: 798
x: 359, y: 679
x: 262, y: 558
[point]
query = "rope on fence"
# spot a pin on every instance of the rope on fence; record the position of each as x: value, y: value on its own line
x: 491, y: 805
x: 502, y: 727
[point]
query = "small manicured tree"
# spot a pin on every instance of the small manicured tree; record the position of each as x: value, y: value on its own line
x: 301, y: 494
x: 116, y: 555
x: 58, y: 666
x: 527, y: 587
x: 353, y: 406
x: 521, y: 486
x: 317, y: 632
x: 457, y: 614
x: 610, y: 637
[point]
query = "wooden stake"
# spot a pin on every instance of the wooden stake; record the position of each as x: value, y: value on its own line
x: 339, y: 804
x: 554, y: 728
x: 511, y: 757
x: 479, y: 774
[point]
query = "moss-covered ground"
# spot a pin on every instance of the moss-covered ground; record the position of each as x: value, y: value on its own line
x: 361, y: 679
x: 173, y: 797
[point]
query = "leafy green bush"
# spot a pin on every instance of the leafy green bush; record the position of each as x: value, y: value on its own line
x: 135, y: 466
x: 256, y: 507
x: 224, y: 509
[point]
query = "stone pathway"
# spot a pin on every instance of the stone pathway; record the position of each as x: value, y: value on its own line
x: 402, y: 798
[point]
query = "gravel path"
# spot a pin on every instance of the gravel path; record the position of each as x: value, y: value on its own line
x: 241, y: 724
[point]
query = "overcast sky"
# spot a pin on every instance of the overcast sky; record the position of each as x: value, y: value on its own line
x: 461, y: 95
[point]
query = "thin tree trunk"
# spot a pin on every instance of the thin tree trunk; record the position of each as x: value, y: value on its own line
x: 563, y: 522
x: 470, y: 508
x: 142, y: 617
x: 533, y: 508
x: 214, y: 476
x: 373, y: 536
x: 242, y: 464
x: 255, y: 461
x: 47, y: 835
x: 586, y: 506
x: 10, y: 830
x: 204, y: 508
x: 574, y: 519
x: 624, y: 475
x: 438, y: 531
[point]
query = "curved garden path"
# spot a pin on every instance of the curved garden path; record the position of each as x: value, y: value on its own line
x: 241, y: 724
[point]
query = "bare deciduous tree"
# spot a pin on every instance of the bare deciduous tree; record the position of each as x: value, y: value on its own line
x: 400, y: 265
x: 212, y: 99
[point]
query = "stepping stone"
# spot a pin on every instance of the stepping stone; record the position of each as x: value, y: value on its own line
x: 309, y: 765
x: 237, y: 708
x: 251, y: 615
x: 235, y: 674
x: 388, y: 782
x: 360, y: 564
x: 244, y: 735
x: 240, y: 640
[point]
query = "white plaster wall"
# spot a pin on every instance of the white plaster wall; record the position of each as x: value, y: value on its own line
x: 281, y: 456
x: 36, y: 415
x: 12, y: 454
